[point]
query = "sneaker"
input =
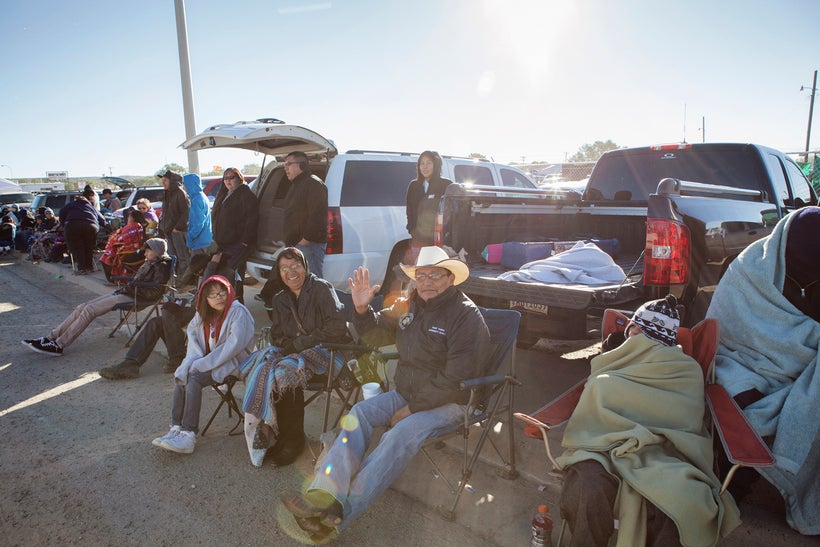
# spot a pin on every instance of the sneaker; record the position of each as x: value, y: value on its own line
x: 126, y: 370
x: 173, y: 432
x: 183, y: 442
x: 41, y: 340
x: 49, y: 348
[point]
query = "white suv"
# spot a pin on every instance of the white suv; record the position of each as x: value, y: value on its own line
x: 366, y: 193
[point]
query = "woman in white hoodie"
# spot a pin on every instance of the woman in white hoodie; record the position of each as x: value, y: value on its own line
x: 220, y: 338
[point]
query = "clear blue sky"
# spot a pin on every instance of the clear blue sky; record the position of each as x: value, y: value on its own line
x: 89, y: 85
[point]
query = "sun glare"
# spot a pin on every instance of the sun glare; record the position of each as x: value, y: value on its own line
x: 532, y: 40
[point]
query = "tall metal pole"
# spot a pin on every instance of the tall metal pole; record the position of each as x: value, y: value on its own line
x: 811, y: 112
x: 187, y: 88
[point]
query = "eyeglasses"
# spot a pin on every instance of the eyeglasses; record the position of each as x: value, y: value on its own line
x: 230, y: 177
x: 293, y: 267
x: 215, y: 295
x: 431, y: 276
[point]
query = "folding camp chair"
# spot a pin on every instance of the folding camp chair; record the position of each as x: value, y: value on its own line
x: 491, y: 402
x: 742, y: 444
x: 129, y: 310
x: 330, y: 383
x: 226, y: 397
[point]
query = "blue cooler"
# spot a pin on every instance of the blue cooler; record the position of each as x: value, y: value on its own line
x: 515, y: 254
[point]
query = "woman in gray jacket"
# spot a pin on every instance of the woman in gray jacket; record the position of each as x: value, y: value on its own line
x: 220, y: 338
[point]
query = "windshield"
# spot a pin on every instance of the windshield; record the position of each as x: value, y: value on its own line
x: 24, y: 197
x: 633, y: 175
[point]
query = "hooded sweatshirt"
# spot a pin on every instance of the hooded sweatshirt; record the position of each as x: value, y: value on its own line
x: 221, y: 346
x: 199, y: 214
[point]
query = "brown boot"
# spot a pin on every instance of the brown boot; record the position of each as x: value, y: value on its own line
x: 127, y: 370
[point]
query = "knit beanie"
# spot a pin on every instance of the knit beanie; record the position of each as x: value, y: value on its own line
x: 659, y: 320
x: 158, y: 245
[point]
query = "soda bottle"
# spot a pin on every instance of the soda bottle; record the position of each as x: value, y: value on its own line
x: 541, y: 528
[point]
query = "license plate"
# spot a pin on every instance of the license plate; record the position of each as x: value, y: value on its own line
x: 528, y: 306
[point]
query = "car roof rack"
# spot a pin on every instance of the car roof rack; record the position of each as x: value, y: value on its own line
x: 393, y: 152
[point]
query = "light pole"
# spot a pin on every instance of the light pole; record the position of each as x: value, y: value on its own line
x: 10, y: 171
x: 811, y: 112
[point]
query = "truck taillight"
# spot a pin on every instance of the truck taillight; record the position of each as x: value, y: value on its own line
x: 334, y: 231
x: 438, y: 235
x: 666, y: 261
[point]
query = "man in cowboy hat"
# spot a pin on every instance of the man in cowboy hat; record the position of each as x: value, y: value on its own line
x: 441, y: 338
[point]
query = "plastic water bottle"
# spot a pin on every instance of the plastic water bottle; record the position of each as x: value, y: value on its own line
x: 541, y: 528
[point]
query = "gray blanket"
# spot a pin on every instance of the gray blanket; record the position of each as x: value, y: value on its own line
x: 768, y: 344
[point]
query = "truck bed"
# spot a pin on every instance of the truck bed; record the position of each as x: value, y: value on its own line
x: 483, y: 281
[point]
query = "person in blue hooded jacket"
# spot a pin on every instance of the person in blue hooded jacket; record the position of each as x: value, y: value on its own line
x: 199, y: 238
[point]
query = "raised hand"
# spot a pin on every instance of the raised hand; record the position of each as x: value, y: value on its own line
x: 360, y: 289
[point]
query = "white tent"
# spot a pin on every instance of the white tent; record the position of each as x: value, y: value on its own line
x: 8, y: 187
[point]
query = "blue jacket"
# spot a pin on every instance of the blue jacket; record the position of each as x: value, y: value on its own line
x: 199, y: 215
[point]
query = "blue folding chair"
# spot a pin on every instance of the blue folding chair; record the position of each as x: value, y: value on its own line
x: 491, y: 400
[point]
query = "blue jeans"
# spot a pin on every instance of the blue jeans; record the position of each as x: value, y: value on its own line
x: 356, y: 481
x: 188, y: 400
x: 315, y: 256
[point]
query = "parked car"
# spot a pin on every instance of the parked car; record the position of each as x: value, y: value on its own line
x: 366, y: 193
x: 211, y: 186
x: 55, y: 200
x: 153, y: 193
x: 21, y: 199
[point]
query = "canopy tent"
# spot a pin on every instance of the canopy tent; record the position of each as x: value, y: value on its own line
x: 8, y: 187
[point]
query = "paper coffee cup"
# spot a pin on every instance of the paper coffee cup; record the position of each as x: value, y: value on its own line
x: 371, y: 389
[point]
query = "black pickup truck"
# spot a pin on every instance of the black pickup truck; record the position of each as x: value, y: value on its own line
x: 680, y: 213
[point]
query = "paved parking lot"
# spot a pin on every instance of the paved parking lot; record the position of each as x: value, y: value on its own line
x: 77, y: 465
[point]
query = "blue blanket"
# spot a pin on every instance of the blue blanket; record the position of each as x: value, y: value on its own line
x: 768, y: 344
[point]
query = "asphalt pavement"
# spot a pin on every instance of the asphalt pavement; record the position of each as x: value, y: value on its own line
x: 77, y: 466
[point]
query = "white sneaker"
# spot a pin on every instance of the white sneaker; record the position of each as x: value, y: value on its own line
x: 183, y: 442
x: 171, y: 433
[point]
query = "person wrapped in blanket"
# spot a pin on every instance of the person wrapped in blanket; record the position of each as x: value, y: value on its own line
x: 305, y: 313
x: 768, y: 306
x: 220, y: 338
x: 123, y: 245
x: 636, y: 446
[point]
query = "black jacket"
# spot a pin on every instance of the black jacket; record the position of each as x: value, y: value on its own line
x: 157, y: 271
x: 81, y: 210
x: 440, y: 343
x: 305, y: 204
x: 234, y: 222
x: 422, y: 207
x: 318, y: 311
x: 175, y: 206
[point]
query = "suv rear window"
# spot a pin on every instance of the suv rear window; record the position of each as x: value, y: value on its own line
x: 376, y: 183
x: 635, y: 174
x: 153, y: 194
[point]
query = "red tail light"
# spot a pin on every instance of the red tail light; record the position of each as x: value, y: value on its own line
x: 334, y: 231
x: 438, y: 235
x: 666, y: 261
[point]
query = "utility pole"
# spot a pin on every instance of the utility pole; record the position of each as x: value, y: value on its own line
x: 187, y: 88
x: 811, y: 112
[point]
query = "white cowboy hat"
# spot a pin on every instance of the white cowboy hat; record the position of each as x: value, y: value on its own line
x: 436, y: 257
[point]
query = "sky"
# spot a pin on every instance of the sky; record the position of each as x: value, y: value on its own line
x: 93, y: 87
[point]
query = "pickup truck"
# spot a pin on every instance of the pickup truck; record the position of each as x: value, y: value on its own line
x: 680, y: 213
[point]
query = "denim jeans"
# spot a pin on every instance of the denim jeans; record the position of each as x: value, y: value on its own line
x: 356, y: 481
x: 315, y: 256
x: 188, y: 400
